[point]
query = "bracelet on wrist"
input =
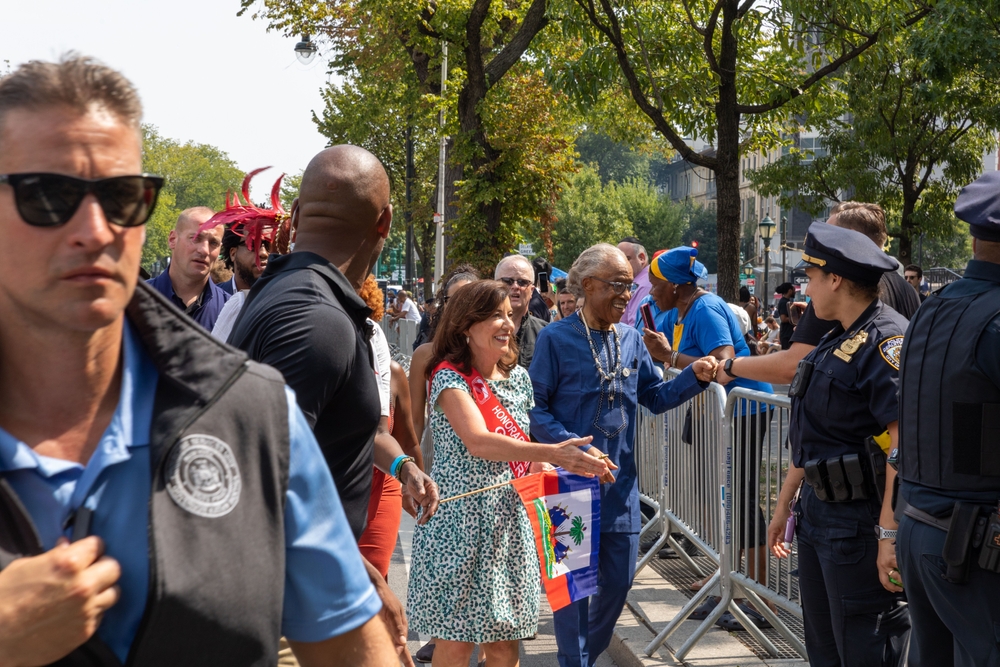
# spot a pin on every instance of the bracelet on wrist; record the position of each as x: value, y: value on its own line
x: 673, y: 358
x: 398, y: 474
x: 397, y: 463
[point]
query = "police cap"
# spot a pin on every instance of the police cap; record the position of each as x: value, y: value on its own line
x: 847, y: 253
x: 979, y: 205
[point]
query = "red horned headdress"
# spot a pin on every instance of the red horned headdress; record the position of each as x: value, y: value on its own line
x: 255, y: 225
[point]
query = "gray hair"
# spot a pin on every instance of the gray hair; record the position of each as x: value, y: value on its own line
x: 512, y: 258
x: 589, y: 263
x: 75, y: 82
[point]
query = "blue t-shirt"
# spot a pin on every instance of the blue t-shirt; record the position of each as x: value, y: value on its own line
x: 327, y: 589
x: 708, y: 324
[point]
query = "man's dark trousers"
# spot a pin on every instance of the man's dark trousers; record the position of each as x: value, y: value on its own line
x: 584, y: 628
x: 953, y: 624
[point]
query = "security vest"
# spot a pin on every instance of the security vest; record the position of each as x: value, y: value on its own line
x: 219, y: 470
x: 949, y: 421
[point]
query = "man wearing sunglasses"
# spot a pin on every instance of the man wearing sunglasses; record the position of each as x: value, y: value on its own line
x: 154, y: 484
x: 516, y: 272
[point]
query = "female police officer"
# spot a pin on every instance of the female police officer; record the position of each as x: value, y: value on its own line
x: 844, y: 392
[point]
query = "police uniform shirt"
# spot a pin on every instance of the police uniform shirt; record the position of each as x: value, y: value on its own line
x: 853, y: 390
x: 327, y: 589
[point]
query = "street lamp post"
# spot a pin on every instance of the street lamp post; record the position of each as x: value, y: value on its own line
x: 784, y: 246
x: 766, y: 229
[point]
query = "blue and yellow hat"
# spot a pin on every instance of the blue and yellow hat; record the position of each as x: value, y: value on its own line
x: 847, y: 253
x: 679, y: 266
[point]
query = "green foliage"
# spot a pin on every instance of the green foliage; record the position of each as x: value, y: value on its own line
x: 701, y: 228
x: 290, y: 190
x: 910, y: 145
x: 725, y: 72
x: 388, y: 54
x: 615, y: 161
x: 588, y: 213
x: 196, y: 175
x: 532, y: 129
x: 158, y: 228
x: 657, y: 222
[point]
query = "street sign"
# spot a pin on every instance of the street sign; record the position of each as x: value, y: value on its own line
x: 526, y: 249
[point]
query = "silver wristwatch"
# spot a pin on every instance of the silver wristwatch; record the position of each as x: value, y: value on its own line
x: 885, y: 534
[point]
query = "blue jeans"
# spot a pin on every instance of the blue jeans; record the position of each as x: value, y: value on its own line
x: 584, y: 628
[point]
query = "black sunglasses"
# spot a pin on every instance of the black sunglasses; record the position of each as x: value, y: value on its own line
x: 616, y: 287
x: 50, y: 200
x: 521, y: 282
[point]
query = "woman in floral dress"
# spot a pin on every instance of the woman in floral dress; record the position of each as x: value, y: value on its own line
x: 475, y: 573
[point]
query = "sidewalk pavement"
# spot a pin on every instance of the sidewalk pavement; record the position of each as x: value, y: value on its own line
x: 652, y: 602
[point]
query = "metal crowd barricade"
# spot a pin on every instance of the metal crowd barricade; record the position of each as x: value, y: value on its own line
x: 400, y: 333
x: 702, y: 464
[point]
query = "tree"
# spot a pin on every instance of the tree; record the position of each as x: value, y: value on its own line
x: 700, y: 229
x: 910, y: 144
x: 363, y: 111
x: 196, y: 175
x: 587, y: 213
x: 392, y: 41
x: 657, y: 222
x: 728, y: 72
x: 615, y: 160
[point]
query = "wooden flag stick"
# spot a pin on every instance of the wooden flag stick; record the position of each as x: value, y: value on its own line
x: 470, y: 493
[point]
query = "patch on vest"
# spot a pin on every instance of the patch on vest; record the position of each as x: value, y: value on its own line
x: 202, y: 476
x: 891, y: 348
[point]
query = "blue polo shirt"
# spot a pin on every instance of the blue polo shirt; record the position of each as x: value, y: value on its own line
x: 206, y: 308
x: 327, y: 589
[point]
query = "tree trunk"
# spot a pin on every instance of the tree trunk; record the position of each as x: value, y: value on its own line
x: 727, y: 171
x: 907, y: 225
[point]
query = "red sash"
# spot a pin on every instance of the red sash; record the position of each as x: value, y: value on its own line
x: 496, y: 417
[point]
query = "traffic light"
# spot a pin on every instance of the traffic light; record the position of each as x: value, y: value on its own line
x: 694, y: 244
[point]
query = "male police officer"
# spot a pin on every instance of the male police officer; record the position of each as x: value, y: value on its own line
x: 126, y: 427
x: 949, y: 454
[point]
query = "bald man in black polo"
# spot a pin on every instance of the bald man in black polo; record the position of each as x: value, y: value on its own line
x: 305, y: 318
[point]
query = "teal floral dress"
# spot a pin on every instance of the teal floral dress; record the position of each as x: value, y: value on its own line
x: 474, y: 574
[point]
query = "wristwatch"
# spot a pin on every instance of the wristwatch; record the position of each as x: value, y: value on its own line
x: 728, y: 367
x: 884, y: 534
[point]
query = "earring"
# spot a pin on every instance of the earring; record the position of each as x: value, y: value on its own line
x: 466, y: 340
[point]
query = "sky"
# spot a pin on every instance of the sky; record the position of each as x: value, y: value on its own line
x: 203, y: 74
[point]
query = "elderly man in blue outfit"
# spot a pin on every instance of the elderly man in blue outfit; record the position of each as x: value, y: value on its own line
x: 590, y: 374
x: 162, y: 499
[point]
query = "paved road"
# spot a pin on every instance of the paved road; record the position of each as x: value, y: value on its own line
x: 540, y: 652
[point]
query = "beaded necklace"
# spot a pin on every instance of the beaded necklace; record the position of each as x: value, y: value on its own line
x: 609, y: 379
x: 611, y: 373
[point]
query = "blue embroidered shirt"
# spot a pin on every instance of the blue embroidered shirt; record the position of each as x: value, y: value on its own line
x: 572, y: 400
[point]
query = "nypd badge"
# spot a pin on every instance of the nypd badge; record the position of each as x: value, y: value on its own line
x: 202, y: 476
x: 891, y: 348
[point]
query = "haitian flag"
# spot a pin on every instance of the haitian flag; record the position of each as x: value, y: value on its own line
x: 565, y: 513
